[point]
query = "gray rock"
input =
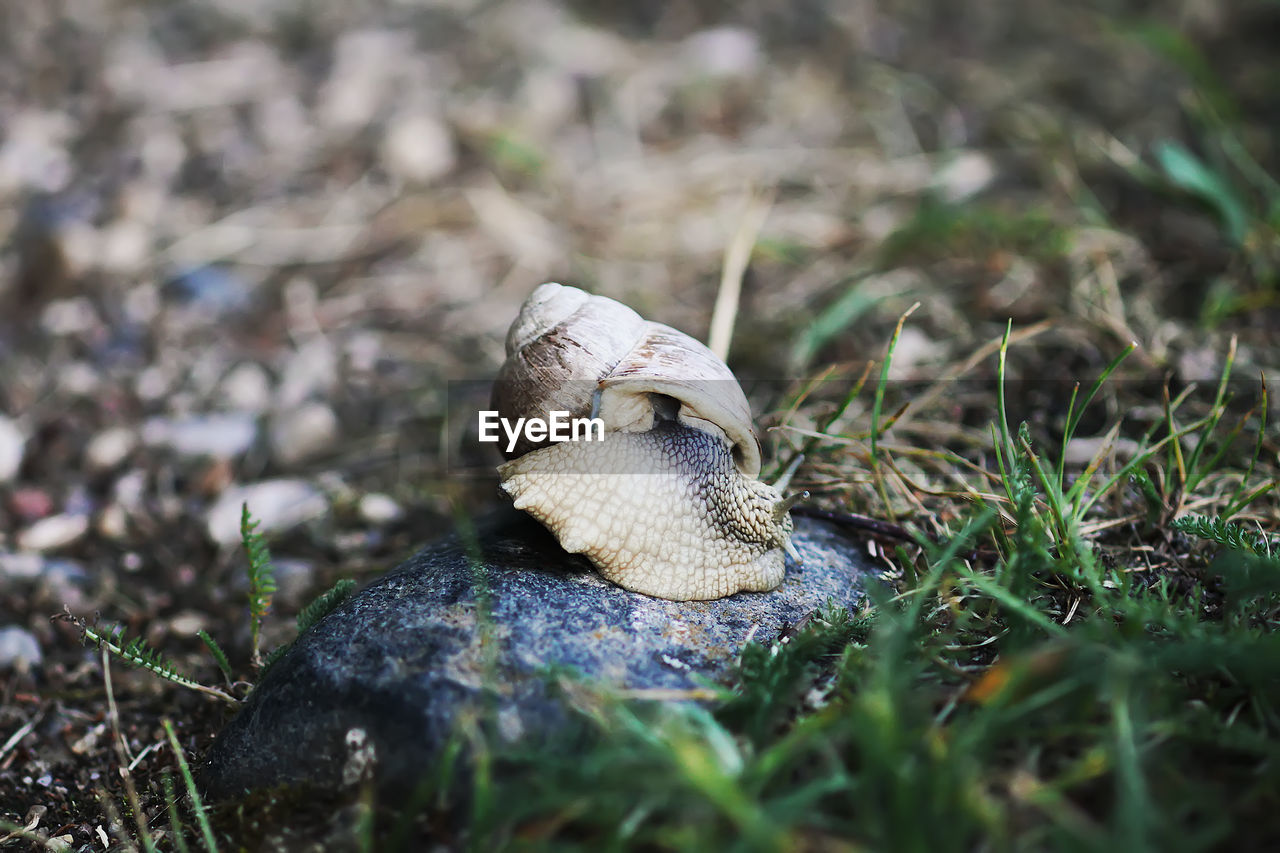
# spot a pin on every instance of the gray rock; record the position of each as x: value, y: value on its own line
x: 385, y: 675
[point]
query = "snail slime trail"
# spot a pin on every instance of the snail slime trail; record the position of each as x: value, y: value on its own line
x: 557, y: 427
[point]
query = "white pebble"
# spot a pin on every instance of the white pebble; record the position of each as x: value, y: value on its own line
x: 221, y: 436
x: 274, y: 504
x: 153, y: 382
x: 74, y: 316
x: 418, y: 148
x: 109, y: 448
x: 113, y: 522
x: 20, y: 566
x: 12, y: 445
x: 19, y: 649
x: 130, y: 490
x: 968, y: 174
x: 303, y: 433
x: 246, y: 388
x: 188, y: 623
x: 125, y: 246
x: 79, y: 379
x: 54, y: 532
x: 377, y: 508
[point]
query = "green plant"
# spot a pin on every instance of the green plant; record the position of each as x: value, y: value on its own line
x: 197, y: 802
x: 262, y: 587
x: 262, y: 581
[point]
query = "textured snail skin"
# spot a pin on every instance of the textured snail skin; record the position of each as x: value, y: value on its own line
x: 663, y: 512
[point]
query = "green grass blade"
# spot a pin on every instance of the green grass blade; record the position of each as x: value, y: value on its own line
x: 197, y: 803
x: 175, y: 819
x: 219, y: 656
x: 1216, y: 411
x: 877, y: 407
x: 1009, y: 601
x: 1188, y: 173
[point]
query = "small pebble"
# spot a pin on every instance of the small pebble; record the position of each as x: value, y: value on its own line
x: 188, y: 623
x: 274, y: 504
x: 34, y: 153
x: 130, y: 490
x: 220, y: 436
x: 966, y: 175
x: 377, y: 508
x: 153, y: 382
x: 20, y: 566
x: 19, y: 649
x: 303, y: 433
x: 109, y: 448
x: 54, y: 532
x: 74, y: 316
x: 125, y: 247
x: 418, y: 148
x: 30, y: 504
x: 12, y: 445
x: 246, y: 388
x: 113, y: 522
x: 79, y: 379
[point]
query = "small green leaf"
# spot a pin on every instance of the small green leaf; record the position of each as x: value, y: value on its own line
x: 1186, y: 172
x: 325, y: 603
x: 218, y: 654
x: 262, y: 581
x: 834, y: 319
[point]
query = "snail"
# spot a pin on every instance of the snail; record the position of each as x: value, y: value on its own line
x: 668, y: 503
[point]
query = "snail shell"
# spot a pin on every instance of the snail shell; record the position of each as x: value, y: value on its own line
x: 669, y: 503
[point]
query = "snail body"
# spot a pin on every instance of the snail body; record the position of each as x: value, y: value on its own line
x: 669, y: 502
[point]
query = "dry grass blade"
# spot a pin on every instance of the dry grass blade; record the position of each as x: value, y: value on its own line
x: 736, y: 258
x: 16, y: 738
x: 123, y: 757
